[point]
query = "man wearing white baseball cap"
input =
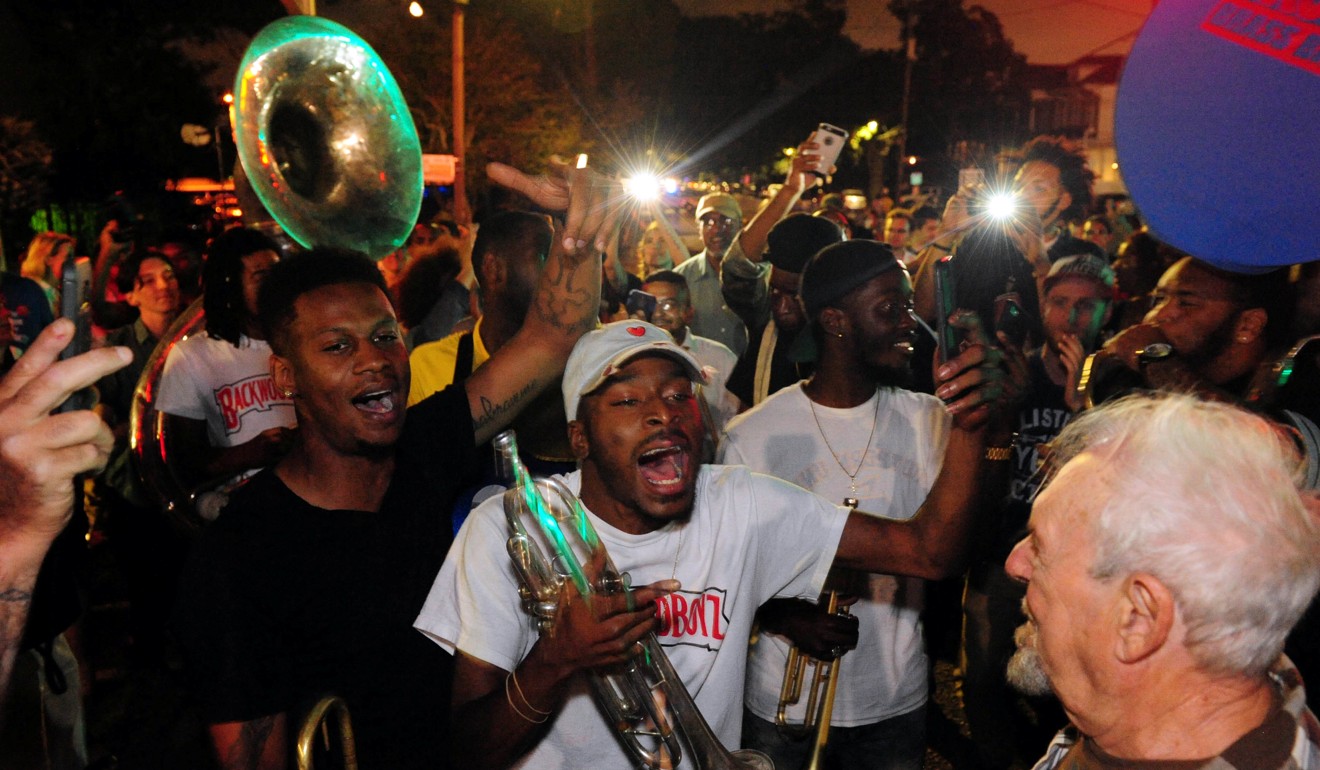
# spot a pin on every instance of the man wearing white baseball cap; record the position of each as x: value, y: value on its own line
x: 708, y: 543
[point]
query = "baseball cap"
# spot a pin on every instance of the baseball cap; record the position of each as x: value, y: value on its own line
x: 831, y: 275
x: 599, y: 354
x: 1083, y: 266
x: 795, y: 240
x: 721, y: 203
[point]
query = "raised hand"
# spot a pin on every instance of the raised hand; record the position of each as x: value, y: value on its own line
x: 41, y: 453
x: 593, y: 204
x: 976, y: 379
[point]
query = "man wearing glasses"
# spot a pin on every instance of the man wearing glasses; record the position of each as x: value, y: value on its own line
x: 673, y: 313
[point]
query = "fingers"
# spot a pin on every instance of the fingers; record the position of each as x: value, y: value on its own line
x: 60, y: 447
x: 35, y: 385
x: 550, y: 192
x: 39, y: 356
x: 975, y: 376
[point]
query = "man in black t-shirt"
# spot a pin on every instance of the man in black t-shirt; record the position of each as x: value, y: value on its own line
x: 308, y: 583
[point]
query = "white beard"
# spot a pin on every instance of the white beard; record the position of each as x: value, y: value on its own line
x: 1025, y: 672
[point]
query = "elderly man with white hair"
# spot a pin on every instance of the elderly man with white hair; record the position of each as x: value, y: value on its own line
x: 1167, y: 560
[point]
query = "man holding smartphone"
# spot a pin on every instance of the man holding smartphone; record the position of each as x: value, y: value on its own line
x: 727, y: 280
x: 1078, y: 301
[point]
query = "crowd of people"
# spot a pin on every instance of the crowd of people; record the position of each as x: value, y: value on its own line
x: 1112, y: 467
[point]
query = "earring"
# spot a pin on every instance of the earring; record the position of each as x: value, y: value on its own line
x: 288, y: 393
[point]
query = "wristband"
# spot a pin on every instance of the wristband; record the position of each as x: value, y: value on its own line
x: 1004, y: 453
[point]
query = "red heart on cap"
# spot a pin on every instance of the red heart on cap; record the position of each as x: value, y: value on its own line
x: 637, y: 331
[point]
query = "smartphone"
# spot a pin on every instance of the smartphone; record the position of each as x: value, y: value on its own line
x: 970, y: 177
x: 640, y: 305
x: 830, y: 141
x: 1011, y: 319
x: 75, y: 296
x: 945, y: 304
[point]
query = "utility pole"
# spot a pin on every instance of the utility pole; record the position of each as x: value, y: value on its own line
x: 911, y: 57
x: 461, y: 213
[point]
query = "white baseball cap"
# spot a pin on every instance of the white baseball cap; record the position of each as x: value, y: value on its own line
x: 602, y: 352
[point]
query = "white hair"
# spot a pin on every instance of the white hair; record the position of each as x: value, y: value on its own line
x: 1206, y: 497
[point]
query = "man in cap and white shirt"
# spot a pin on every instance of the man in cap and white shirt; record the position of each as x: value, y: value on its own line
x: 709, y: 543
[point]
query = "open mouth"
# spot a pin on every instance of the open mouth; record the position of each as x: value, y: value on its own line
x: 375, y: 402
x: 664, y: 468
x: 904, y: 343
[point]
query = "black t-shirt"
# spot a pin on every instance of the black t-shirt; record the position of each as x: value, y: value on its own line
x: 283, y: 602
x: 1041, y: 418
x: 783, y: 371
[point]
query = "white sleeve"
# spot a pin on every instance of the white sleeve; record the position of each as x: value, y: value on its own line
x: 473, y: 605
x: 797, y: 535
x: 178, y: 393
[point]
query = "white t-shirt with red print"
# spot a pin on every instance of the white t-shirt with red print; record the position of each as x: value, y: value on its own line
x: 230, y: 387
x: 750, y: 538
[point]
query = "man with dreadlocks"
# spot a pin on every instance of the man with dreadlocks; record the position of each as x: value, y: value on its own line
x: 225, y: 417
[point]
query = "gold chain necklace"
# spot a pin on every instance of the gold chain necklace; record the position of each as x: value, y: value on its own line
x: 852, y: 477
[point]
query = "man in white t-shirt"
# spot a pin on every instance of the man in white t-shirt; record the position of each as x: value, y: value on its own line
x: 849, y: 433
x: 710, y: 544
x: 224, y: 416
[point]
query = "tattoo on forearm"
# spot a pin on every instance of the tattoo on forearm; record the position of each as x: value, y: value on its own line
x: 245, y: 753
x: 15, y: 596
x: 569, y: 307
x: 491, y: 412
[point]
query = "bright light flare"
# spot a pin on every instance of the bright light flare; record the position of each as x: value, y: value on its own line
x: 416, y: 10
x: 1001, y: 206
x: 646, y: 187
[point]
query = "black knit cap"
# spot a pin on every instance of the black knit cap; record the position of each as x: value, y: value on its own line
x: 839, y: 269
x: 796, y: 239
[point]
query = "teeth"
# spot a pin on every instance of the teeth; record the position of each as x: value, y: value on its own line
x: 377, y: 402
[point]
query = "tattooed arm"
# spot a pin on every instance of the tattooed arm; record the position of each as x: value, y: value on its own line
x: 567, y: 299
x: 258, y: 744
x: 40, y: 454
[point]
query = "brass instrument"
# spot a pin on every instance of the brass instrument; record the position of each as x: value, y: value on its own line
x: 820, y: 696
x: 325, y: 137
x: 316, y: 724
x: 552, y: 542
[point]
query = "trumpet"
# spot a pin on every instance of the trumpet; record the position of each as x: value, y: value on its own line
x: 551, y: 542
x: 820, y: 697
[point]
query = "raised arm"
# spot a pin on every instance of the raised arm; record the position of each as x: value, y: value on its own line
x: 40, y: 455
x: 678, y: 251
x: 567, y: 299
x: 933, y: 543
x: 753, y: 237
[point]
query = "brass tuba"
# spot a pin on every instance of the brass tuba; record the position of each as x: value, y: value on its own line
x: 328, y: 146
x: 551, y: 542
x: 325, y: 137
